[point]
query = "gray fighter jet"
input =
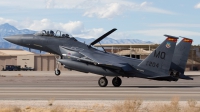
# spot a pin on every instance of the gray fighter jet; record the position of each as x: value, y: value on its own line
x: 160, y: 65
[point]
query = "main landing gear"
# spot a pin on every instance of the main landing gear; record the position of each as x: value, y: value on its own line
x: 103, y: 82
x: 116, y: 81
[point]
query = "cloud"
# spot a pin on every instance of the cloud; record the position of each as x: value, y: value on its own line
x: 50, y: 4
x: 33, y: 4
x: 91, y: 33
x: 160, y: 32
x: 75, y: 28
x: 3, y: 20
x: 90, y: 8
x: 174, y: 25
x: 110, y: 10
x: 197, y: 6
x: 72, y: 27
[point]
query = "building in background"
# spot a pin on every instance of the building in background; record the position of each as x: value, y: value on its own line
x: 141, y: 51
x: 16, y: 57
x: 47, y: 62
x: 22, y: 58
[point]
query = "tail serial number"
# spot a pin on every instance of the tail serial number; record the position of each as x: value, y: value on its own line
x: 152, y: 64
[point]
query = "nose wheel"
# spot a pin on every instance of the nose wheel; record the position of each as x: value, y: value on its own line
x: 116, y: 81
x: 103, y: 82
x: 57, y: 72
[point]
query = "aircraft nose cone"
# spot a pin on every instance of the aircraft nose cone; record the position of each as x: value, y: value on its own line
x: 13, y: 39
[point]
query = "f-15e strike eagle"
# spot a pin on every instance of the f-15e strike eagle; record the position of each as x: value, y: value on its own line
x: 166, y: 63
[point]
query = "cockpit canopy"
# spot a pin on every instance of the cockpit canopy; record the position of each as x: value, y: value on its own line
x: 53, y: 33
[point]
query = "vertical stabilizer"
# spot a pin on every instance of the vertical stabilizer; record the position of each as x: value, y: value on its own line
x: 181, y: 54
x: 159, y: 60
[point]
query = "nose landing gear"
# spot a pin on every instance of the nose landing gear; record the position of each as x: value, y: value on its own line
x: 57, y: 71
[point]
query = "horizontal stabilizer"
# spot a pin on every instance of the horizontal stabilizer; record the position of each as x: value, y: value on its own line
x: 181, y: 76
x: 103, y: 36
x: 167, y: 78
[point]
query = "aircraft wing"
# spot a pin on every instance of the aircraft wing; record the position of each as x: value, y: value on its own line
x: 105, y: 59
x: 102, y: 58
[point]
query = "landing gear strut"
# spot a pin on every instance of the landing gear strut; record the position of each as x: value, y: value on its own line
x: 175, y: 74
x: 103, y: 82
x: 57, y: 71
x: 116, y: 81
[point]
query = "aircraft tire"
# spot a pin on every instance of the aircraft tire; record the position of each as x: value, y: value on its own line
x: 103, y: 82
x: 116, y: 81
x: 57, y: 72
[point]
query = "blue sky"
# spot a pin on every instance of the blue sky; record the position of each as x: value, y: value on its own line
x: 136, y: 19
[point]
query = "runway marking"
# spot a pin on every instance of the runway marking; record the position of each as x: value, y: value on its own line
x: 116, y: 92
x: 124, y: 95
x: 86, y: 88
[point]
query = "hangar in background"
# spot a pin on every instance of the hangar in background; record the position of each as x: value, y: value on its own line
x: 16, y: 57
x: 141, y: 51
x: 43, y: 62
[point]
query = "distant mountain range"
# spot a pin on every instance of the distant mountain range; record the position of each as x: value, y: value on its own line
x: 7, y: 30
x: 113, y: 41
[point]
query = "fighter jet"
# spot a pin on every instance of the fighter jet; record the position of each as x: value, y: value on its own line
x: 81, y: 57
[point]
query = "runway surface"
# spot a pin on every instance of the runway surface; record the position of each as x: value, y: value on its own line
x: 79, y: 86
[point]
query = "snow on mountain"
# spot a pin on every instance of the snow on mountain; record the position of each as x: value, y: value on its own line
x: 7, y: 30
x: 113, y: 41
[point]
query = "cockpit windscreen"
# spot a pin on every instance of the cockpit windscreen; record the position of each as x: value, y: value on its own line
x: 53, y: 33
